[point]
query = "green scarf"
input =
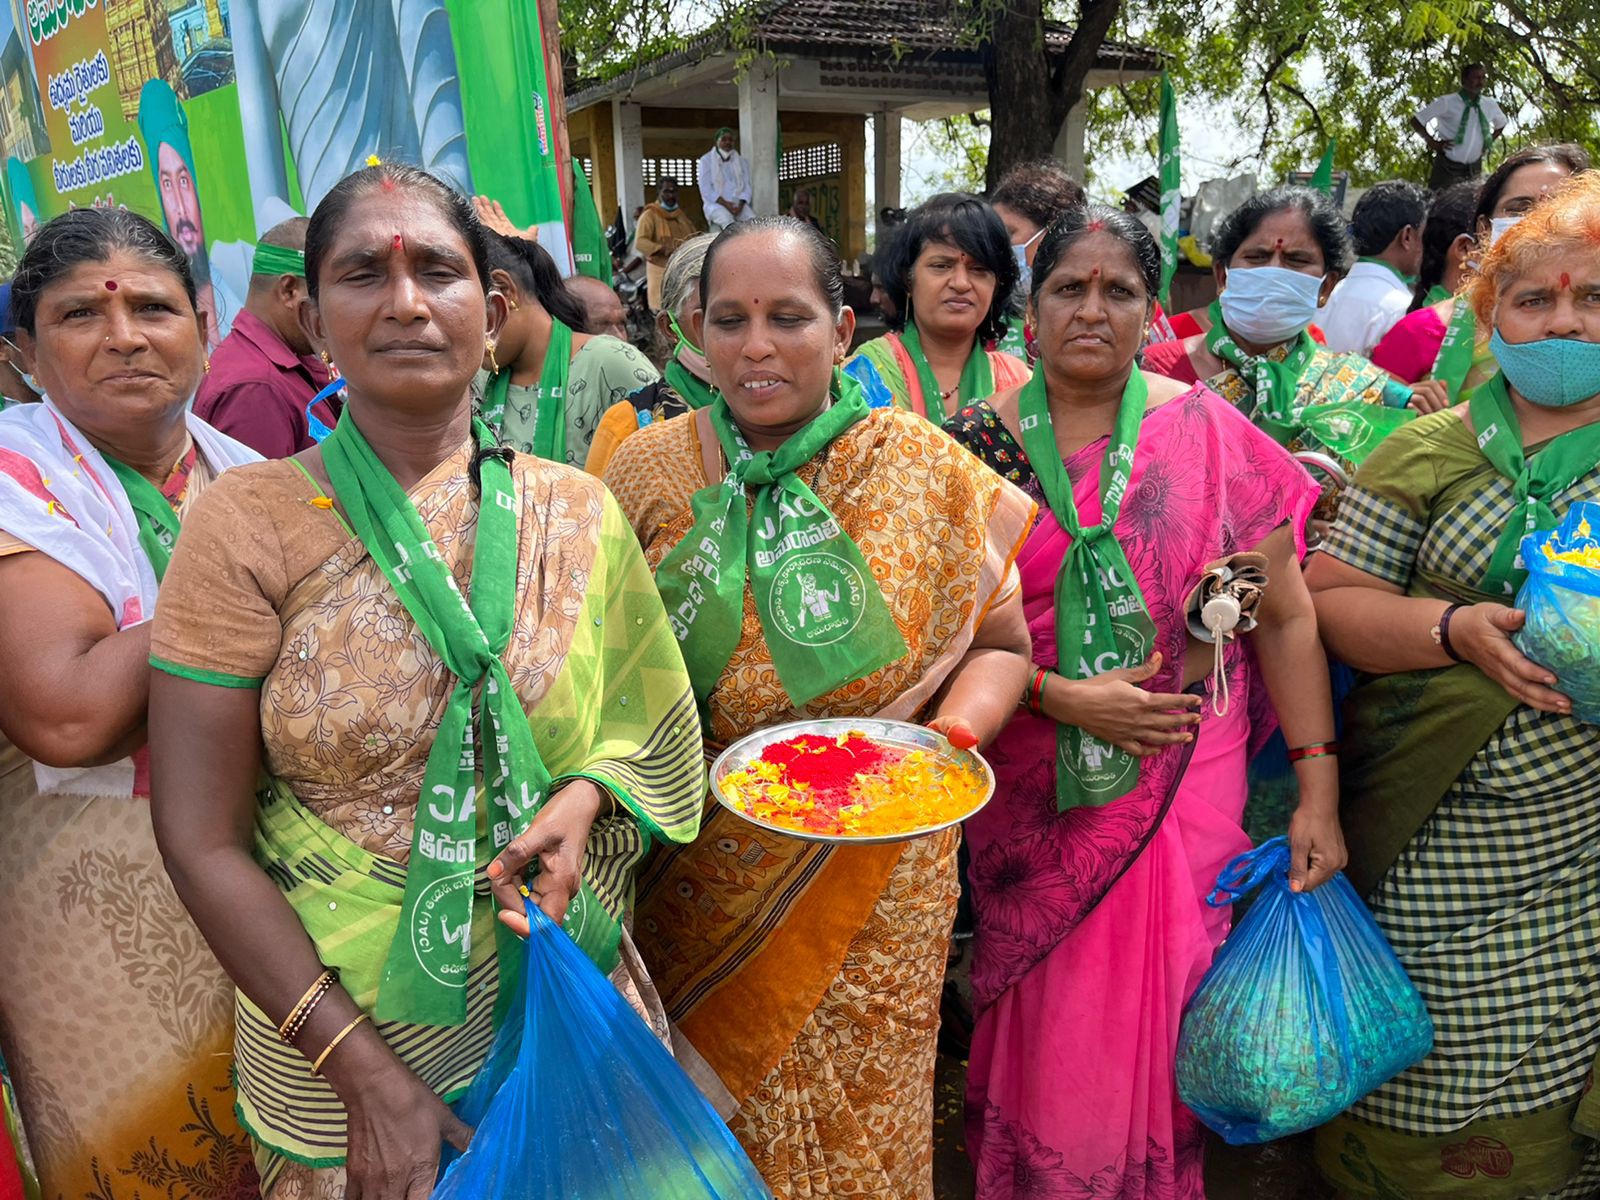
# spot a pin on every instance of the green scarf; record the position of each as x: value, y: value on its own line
x: 1437, y: 293
x: 154, y: 509
x: 1101, y: 615
x: 1410, y: 281
x: 278, y: 260
x: 1275, y: 384
x: 550, y: 417
x: 690, y: 388
x: 824, y: 617
x: 424, y: 976
x: 1453, y: 363
x: 977, y: 377
x: 1470, y: 106
x: 1552, y: 470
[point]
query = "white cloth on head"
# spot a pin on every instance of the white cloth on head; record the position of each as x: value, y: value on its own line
x: 727, y: 179
x: 58, y: 494
x: 1445, y: 113
x: 1365, y: 305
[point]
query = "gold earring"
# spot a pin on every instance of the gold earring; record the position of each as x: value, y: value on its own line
x: 488, y: 348
x: 513, y: 305
x: 207, y: 365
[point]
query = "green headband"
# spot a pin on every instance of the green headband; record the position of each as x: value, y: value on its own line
x: 278, y: 260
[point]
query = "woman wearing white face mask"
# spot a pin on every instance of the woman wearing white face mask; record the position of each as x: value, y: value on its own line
x: 1278, y: 256
x: 1438, y: 349
x: 1468, y: 794
x: 687, y: 385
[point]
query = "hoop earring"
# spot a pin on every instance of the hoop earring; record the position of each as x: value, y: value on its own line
x: 488, y: 348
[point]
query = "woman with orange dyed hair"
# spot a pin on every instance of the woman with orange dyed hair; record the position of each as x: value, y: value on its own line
x: 1468, y: 794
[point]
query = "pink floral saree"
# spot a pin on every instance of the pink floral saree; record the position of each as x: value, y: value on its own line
x: 1092, y: 924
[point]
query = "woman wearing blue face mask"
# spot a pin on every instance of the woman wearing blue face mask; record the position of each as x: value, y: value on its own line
x: 1438, y: 348
x: 1278, y: 256
x: 1467, y: 785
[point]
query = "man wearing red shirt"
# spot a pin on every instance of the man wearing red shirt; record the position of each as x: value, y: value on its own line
x: 263, y: 374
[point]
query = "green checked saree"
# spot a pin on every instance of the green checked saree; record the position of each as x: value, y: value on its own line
x: 276, y: 592
x: 1474, y: 833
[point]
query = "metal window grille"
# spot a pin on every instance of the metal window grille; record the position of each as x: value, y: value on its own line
x: 681, y: 169
x: 811, y: 162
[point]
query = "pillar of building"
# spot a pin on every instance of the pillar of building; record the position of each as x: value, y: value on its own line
x: 1069, y: 147
x: 885, y: 160
x: 627, y: 131
x: 758, y: 131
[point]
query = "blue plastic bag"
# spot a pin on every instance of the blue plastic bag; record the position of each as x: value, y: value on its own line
x: 1304, y: 1011
x: 579, y: 1101
x: 1562, y: 600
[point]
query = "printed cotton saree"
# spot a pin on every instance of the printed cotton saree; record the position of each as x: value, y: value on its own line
x: 272, y: 592
x: 806, y: 978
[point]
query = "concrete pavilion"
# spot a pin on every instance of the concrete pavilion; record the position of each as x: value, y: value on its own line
x: 821, y: 68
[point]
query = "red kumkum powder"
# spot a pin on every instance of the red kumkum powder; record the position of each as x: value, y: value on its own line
x: 823, y: 764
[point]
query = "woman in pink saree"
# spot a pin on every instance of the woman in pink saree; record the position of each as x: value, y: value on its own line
x: 1121, y: 790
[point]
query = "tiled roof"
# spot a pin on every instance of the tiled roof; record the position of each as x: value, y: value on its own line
x: 900, y: 26
x: 892, y: 28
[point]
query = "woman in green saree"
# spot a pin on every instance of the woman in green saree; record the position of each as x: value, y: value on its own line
x: 440, y: 654
x: 1468, y: 788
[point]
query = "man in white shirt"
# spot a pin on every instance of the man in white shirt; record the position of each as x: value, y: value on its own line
x: 724, y: 179
x: 1462, y: 126
x: 1387, y: 230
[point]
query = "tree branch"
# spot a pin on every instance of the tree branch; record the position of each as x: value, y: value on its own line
x: 1095, y: 18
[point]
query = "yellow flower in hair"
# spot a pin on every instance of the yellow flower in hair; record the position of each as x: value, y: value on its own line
x: 374, y: 161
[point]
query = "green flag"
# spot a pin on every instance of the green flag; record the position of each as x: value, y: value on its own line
x: 506, y: 109
x: 1322, y: 177
x: 1171, y: 195
x: 590, y: 254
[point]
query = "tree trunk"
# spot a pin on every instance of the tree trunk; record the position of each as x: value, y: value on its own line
x: 1028, y: 99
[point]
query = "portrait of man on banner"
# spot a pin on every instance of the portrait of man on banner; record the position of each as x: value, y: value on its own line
x: 165, y: 129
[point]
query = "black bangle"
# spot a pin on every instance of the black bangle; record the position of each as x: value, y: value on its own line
x: 1444, y: 633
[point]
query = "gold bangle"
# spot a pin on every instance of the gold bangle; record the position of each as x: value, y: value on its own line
x: 316, y: 1067
x: 309, y: 999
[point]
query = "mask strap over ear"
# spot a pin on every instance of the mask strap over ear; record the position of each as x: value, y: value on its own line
x: 683, y: 339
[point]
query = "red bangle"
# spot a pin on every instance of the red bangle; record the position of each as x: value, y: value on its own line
x: 1314, y: 750
x: 1033, y: 700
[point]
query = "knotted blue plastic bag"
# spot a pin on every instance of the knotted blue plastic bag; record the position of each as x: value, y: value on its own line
x: 1562, y: 600
x: 579, y: 1101
x: 1304, y: 1011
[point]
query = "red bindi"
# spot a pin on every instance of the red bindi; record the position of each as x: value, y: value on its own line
x: 111, y: 285
x: 399, y: 242
x: 1094, y: 273
x: 1566, y: 280
x: 1280, y: 243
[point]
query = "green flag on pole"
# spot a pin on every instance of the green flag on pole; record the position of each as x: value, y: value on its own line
x: 506, y: 109
x: 1171, y: 194
x: 590, y: 254
x: 1322, y: 177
